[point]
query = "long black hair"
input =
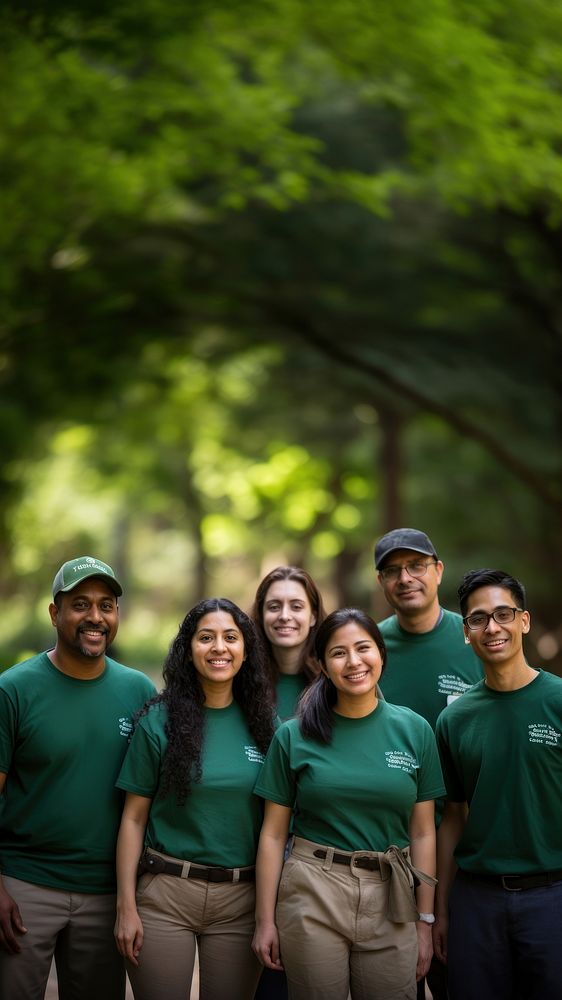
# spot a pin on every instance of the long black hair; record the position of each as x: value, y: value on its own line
x: 315, y: 709
x: 184, y: 698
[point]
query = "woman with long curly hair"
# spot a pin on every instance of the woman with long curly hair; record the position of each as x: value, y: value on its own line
x: 287, y: 613
x: 190, y: 817
x: 343, y: 914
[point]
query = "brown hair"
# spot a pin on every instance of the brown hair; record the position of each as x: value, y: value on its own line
x: 308, y: 664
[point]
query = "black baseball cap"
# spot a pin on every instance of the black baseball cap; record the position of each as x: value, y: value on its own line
x: 403, y: 538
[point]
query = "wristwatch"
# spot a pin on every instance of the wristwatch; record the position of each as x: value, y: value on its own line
x: 427, y: 918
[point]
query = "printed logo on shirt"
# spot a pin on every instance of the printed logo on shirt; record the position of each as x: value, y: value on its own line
x: 450, y: 684
x: 125, y: 727
x: 402, y: 760
x: 541, y: 732
x: 253, y: 754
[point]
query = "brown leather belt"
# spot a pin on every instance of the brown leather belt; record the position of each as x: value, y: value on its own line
x: 515, y: 883
x: 371, y: 864
x: 156, y: 865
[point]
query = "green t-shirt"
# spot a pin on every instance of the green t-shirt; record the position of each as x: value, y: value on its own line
x: 289, y: 688
x: 426, y: 671
x: 62, y: 742
x: 502, y: 753
x: 220, y: 822
x: 357, y: 793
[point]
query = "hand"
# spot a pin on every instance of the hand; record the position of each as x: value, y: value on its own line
x: 440, y: 935
x: 11, y: 923
x: 266, y: 946
x: 129, y: 935
x: 425, y: 949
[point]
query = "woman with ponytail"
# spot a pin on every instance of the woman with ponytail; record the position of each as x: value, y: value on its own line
x: 350, y: 911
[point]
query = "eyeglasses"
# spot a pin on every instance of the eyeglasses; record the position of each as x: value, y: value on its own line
x: 502, y: 616
x: 416, y: 569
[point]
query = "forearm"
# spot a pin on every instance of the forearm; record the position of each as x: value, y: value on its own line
x: 129, y: 848
x: 269, y: 864
x: 448, y: 836
x: 422, y: 852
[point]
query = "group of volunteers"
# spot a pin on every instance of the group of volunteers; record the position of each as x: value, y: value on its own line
x: 286, y: 805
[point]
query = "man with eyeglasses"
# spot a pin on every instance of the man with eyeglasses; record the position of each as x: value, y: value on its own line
x: 428, y: 664
x: 499, y: 898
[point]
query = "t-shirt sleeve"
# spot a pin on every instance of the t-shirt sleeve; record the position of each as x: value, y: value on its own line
x: 140, y: 771
x: 277, y: 780
x: 453, y: 782
x: 430, y: 778
x: 8, y: 723
x: 148, y: 689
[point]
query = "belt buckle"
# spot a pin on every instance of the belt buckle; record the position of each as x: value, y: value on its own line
x: 365, y: 862
x: 219, y: 875
x: 155, y: 864
x: 510, y: 888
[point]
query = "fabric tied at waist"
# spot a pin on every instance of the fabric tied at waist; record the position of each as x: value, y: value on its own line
x: 404, y: 877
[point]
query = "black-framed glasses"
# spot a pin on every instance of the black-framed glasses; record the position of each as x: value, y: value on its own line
x: 501, y: 616
x: 416, y: 568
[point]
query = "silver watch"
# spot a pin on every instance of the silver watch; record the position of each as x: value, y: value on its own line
x: 427, y: 918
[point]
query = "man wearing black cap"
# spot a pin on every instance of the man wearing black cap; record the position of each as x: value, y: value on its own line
x: 65, y: 722
x: 429, y: 665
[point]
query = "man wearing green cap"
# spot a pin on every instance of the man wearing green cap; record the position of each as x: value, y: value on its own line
x: 65, y: 723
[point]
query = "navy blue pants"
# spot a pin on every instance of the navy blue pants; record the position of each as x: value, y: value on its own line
x: 272, y: 986
x: 436, y: 980
x: 504, y: 945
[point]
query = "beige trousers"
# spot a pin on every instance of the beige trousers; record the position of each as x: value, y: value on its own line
x: 74, y: 927
x: 181, y: 914
x: 335, y: 935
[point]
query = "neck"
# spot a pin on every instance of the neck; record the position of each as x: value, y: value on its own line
x: 509, y: 676
x: 356, y: 707
x: 287, y: 660
x: 84, y: 669
x: 421, y: 621
x: 217, y: 695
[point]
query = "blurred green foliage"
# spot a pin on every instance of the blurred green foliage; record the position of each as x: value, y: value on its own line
x: 277, y: 277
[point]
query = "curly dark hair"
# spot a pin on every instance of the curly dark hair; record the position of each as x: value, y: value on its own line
x: 315, y: 707
x: 184, y: 698
x: 308, y: 663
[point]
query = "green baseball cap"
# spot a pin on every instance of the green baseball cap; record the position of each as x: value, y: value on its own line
x: 75, y: 570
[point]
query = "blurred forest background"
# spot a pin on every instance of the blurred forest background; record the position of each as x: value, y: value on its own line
x: 277, y: 276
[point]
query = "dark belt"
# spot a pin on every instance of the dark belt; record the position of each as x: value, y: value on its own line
x: 156, y: 865
x: 514, y: 883
x: 371, y: 864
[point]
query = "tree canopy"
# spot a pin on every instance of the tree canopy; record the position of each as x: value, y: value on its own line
x: 277, y: 277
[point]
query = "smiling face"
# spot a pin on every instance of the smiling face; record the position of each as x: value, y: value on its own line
x: 217, y: 650
x: 409, y: 595
x: 287, y: 614
x: 86, y: 619
x: 353, y: 662
x: 496, y: 645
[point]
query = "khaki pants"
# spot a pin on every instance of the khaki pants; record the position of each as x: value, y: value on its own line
x: 74, y: 927
x: 179, y: 914
x: 335, y: 935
